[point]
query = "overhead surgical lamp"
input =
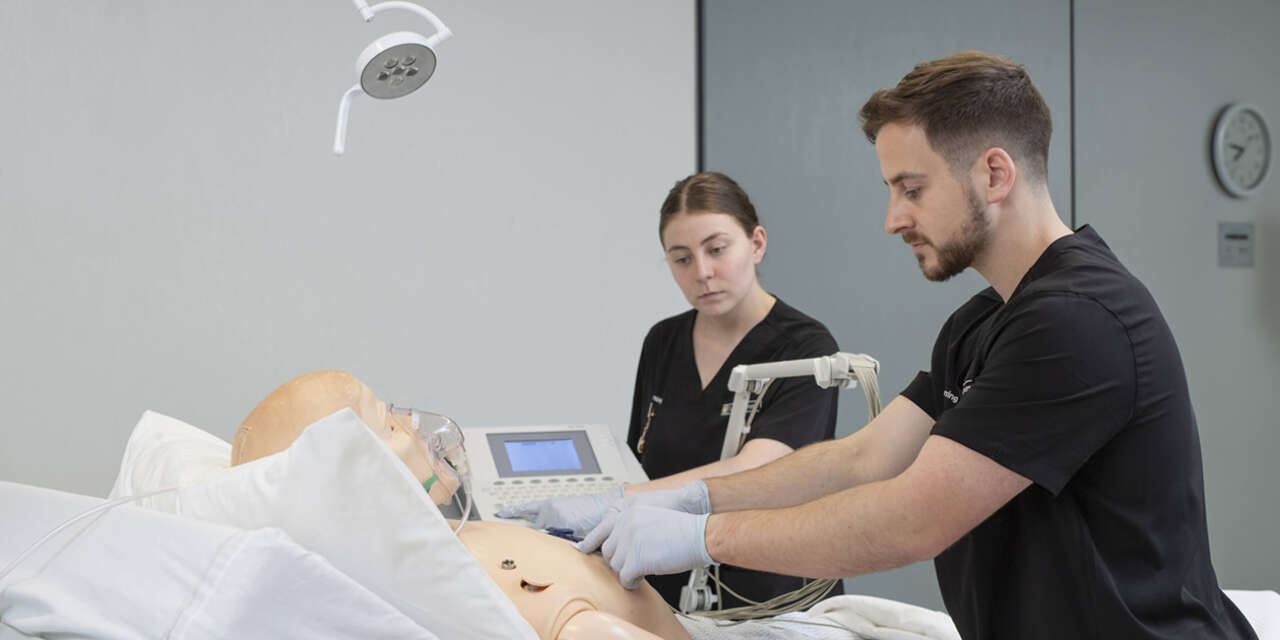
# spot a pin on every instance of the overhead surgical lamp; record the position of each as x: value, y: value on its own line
x: 392, y: 66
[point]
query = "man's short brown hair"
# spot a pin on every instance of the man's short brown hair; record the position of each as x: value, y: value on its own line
x: 968, y: 103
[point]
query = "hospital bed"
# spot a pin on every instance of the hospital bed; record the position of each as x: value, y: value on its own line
x: 252, y: 551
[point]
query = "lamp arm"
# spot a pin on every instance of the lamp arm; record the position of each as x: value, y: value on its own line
x: 344, y: 110
x: 442, y: 32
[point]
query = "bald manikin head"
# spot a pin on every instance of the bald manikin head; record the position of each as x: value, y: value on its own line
x: 282, y: 416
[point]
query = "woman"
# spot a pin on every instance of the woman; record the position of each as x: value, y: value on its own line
x: 713, y: 241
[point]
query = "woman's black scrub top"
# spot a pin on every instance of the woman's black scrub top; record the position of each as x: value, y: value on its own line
x: 677, y: 425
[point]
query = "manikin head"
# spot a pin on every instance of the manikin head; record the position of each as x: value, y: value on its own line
x: 282, y: 416
x: 712, y: 240
x: 954, y: 137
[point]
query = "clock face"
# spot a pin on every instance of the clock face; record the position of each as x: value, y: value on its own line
x: 1242, y: 149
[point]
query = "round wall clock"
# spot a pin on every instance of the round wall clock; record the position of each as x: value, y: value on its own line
x: 1241, y: 149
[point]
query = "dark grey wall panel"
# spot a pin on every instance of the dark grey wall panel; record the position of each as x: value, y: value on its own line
x: 783, y: 86
x: 1151, y: 77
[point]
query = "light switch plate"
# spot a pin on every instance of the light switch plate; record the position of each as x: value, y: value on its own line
x: 1235, y: 244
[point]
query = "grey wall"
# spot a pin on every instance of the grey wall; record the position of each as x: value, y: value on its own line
x: 1151, y: 77
x: 783, y: 87
x: 177, y: 235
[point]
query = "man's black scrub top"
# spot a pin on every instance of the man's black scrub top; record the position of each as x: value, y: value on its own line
x: 1076, y: 384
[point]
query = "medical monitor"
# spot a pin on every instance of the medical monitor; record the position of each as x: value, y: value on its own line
x: 542, y: 453
x: 516, y: 464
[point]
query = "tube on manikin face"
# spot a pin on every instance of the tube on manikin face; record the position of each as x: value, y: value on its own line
x: 445, y: 447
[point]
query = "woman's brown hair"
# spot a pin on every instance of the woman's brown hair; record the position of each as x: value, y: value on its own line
x: 708, y: 192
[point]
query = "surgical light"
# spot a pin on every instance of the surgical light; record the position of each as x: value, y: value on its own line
x: 393, y: 65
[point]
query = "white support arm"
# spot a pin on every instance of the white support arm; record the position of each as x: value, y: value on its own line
x: 839, y: 369
x: 344, y: 110
x: 442, y: 32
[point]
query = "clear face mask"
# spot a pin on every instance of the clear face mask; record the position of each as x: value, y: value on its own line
x: 445, y: 449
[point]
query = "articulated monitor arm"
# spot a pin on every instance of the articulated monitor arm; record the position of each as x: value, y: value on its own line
x: 839, y: 369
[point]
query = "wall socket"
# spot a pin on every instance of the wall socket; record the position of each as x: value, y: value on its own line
x: 1235, y: 244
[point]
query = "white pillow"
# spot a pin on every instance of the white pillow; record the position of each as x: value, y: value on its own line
x: 165, y: 452
x: 135, y: 573
x: 340, y: 492
x: 1262, y: 608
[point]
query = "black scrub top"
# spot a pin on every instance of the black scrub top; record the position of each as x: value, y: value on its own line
x: 1076, y: 384
x: 682, y: 425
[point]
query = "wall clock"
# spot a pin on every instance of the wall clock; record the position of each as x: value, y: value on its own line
x: 1241, y: 149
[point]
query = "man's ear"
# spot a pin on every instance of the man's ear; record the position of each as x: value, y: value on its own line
x: 997, y: 173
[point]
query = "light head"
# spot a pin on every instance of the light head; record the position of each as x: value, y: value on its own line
x: 392, y: 66
x: 395, y: 65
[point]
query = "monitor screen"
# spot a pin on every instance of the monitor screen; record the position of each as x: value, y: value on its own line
x: 526, y: 454
x: 543, y: 455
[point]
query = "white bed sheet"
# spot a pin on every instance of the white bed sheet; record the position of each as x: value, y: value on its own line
x: 847, y: 617
x: 134, y: 573
x: 870, y: 618
x: 340, y: 492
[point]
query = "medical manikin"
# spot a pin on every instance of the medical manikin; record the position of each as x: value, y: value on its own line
x: 562, y: 593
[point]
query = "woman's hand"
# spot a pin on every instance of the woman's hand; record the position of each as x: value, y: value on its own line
x: 580, y: 513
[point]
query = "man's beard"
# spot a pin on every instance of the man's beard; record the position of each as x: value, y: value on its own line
x: 958, y: 254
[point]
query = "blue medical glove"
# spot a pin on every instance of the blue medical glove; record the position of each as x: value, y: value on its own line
x: 580, y: 513
x: 690, y: 498
x: 649, y: 540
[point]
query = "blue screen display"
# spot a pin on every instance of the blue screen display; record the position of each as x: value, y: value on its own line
x: 542, y: 455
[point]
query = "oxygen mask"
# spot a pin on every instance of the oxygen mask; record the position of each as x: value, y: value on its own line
x: 446, y: 451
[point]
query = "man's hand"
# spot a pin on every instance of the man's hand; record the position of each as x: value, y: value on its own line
x: 580, y: 513
x: 649, y: 540
x: 690, y: 498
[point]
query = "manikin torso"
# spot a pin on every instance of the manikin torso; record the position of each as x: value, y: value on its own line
x: 563, y: 593
x: 560, y: 591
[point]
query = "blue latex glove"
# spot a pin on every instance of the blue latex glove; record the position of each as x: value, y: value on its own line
x: 690, y: 498
x: 649, y: 540
x: 579, y: 513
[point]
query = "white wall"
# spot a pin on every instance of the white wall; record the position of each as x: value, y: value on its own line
x: 177, y: 236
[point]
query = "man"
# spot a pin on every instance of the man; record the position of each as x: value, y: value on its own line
x: 1048, y: 461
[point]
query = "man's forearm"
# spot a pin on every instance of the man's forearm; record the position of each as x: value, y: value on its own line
x: 878, y: 451
x: 909, y: 517
x: 849, y: 533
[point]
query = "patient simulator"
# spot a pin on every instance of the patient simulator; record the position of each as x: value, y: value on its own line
x: 562, y: 593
